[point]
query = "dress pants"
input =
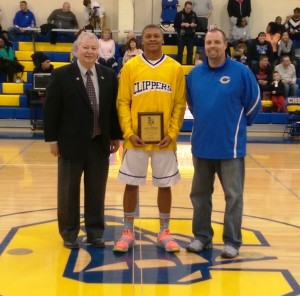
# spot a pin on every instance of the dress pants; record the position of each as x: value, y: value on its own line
x: 94, y: 167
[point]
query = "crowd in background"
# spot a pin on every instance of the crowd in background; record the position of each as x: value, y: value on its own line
x: 271, y: 54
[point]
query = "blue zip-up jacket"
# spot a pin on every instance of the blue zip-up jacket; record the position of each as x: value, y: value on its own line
x: 24, y: 19
x: 223, y: 101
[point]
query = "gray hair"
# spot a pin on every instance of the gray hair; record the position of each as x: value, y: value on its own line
x: 85, y: 35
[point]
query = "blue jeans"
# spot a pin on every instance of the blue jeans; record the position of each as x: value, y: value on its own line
x: 13, y: 33
x: 291, y: 90
x: 231, y: 173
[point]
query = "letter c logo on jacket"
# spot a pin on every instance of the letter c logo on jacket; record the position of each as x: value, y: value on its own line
x: 225, y: 79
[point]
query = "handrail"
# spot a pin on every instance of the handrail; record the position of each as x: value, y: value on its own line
x: 199, y: 34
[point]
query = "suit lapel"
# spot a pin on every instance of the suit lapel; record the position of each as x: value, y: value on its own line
x: 102, y: 80
x: 79, y: 84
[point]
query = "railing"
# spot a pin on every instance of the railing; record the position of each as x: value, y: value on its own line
x: 138, y: 33
x: 38, y: 30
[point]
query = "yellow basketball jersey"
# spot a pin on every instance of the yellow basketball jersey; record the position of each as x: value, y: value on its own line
x: 151, y: 87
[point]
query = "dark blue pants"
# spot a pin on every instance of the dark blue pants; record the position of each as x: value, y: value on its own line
x: 189, y: 42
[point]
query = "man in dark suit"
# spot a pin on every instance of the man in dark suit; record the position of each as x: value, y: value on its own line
x: 81, y: 124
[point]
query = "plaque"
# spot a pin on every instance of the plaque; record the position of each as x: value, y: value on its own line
x: 151, y: 127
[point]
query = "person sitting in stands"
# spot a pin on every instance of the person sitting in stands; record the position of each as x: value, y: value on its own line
x: 239, y: 32
x: 273, y: 38
x: 23, y: 20
x: 123, y: 48
x: 132, y: 50
x: 241, y: 54
x: 280, y: 28
x: 107, y: 49
x: 286, y: 47
x: 6, y: 55
x: 4, y: 33
x: 93, y: 14
x: 293, y: 25
x: 260, y: 46
x: 263, y: 73
x: 63, y: 18
x: 8, y: 64
x: 277, y: 93
x: 287, y: 72
x: 44, y: 66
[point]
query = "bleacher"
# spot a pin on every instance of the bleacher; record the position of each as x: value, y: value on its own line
x: 13, y: 96
x: 14, y: 102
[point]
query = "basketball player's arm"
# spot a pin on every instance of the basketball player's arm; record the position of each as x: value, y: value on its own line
x: 124, y: 104
x: 179, y: 106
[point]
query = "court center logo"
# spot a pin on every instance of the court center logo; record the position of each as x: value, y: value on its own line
x: 93, y: 265
x: 145, y: 267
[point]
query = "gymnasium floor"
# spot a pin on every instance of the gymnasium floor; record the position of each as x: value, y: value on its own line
x: 33, y: 261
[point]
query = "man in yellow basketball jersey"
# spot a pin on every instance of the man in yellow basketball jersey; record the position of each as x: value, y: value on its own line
x: 151, y: 94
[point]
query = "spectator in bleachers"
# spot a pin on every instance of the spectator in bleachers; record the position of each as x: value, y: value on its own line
x: 280, y: 28
x: 123, y: 47
x: 277, y: 93
x: 23, y: 20
x: 263, y: 73
x: 286, y: 47
x: 273, y: 37
x: 6, y: 55
x: 241, y: 52
x: 107, y: 49
x: 8, y: 64
x: 4, y: 33
x: 238, y: 8
x: 239, y: 32
x: 132, y: 50
x: 93, y: 14
x: 63, y: 18
x: 260, y: 46
x: 293, y: 25
x: 168, y: 10
x: 185, y: 24
x: 44, y: 66
x: 287, y: 72
x: 203, y: 9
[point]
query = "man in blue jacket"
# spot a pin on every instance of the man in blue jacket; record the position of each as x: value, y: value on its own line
x: 23, y: 20
x: 224, y: 98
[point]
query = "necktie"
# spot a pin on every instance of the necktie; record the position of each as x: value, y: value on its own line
x: 92, y: 96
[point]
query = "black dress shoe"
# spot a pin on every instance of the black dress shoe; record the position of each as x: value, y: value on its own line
x: 97, y: 242
x: 71, y: 244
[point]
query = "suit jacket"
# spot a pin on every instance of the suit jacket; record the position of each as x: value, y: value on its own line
x: 68, y: 115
